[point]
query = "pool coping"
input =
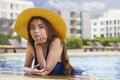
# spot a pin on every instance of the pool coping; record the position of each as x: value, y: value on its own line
x: 21, y: 76
x: 75, y: 52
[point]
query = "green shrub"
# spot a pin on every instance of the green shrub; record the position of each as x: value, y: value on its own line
x: 73, y: 42
x: 4, y: 38
x: 103, y: 41
x: 85, y: 41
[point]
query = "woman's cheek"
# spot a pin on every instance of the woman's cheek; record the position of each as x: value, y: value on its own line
x: 33, y: 37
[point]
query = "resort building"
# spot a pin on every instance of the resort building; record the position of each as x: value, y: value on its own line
x: 9, y: 10
x: 106, y: 26
x: 78, y: 23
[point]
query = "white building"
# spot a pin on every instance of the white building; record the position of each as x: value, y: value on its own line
x: 78, y: 23
x: 10, y: 9
x: 106, y: 26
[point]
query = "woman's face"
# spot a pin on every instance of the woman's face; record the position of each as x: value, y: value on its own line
x: 37, y: 28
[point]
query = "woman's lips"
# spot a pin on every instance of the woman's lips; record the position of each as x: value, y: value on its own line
x: 36, y: 36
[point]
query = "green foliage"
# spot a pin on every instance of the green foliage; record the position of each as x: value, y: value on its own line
x: 4, y: 38
x: 85, y: 41
x: 103, y: 41
x: 73, y: 42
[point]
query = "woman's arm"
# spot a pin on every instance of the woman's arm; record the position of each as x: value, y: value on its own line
x: 40, y: 43
x: 28, y: 62
x: 54, y: 55
x: 40, y: 56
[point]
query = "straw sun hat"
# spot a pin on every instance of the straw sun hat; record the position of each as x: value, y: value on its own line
x: 54, y: 18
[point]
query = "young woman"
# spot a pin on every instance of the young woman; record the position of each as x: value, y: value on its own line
x: 45, y: 31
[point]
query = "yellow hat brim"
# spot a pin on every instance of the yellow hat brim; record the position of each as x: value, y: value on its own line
x: 54, y: 18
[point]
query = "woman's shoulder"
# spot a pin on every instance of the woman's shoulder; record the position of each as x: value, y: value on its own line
x: 56, y: 40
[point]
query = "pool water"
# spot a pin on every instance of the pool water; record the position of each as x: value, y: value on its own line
x: 99, y: 66
x: 11, y: 64
x: 95, y: 66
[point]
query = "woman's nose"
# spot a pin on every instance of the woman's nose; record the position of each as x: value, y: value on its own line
x: 36, y: 29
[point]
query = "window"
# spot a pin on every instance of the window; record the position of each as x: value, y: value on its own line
x: 94, y: 23
x: 110, y: 35
x: 94, y: 36
x: 114, y: 21
x: 110, y: 28
x: 102, y: 29
x: 102, y: 35
x: 4, y: 24
x: 11, y: 23
x: 94, y: 30
x: 107, y: 34
x: 73, y: 14
x: 114, y: 28
x: 11, y: 6
x: 118, y: 21
x: 118, y: 28
x: 11, y: 15
x: 110, y: 22
x: 107, y: 22
x: 78, y: 15
x: 114, y: 34
x: 107, y: 29
x: 101, y: 23
x: 72, y: 30
x: 118, y: 34
x: 78, y: 23
x: 73, y: 22
x: 78, y: 31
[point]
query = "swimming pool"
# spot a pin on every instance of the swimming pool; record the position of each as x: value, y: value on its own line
x: 99, y: 66
x: 95, y: 66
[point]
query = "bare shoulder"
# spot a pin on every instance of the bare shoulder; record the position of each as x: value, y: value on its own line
x: 56, y: 43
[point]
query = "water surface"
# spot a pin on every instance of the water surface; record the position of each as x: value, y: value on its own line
x: 95, y: 66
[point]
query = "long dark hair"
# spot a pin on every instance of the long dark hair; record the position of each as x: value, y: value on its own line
x: 52, y: 34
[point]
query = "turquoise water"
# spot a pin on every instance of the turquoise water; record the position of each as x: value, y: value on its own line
x: 100, y: 66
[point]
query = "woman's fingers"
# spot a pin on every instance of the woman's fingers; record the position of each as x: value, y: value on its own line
x: 42, y: 70
x: 41, y: 39
x: 43, y: 73
x: 38, y: 65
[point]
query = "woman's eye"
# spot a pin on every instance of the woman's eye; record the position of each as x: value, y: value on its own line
x: 40, y: 26
x: 32, y: 28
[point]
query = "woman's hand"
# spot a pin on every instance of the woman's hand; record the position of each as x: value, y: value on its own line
x: 40, y: 39
x: 41, y: 72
